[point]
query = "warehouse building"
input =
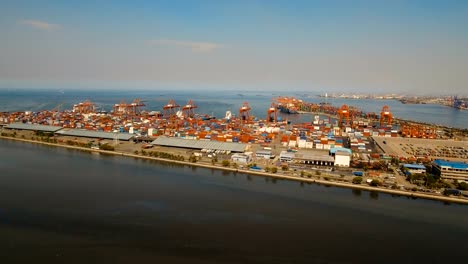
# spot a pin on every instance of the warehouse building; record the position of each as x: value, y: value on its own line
x: 342, y: 158
x: 241, y: 158
x: 200, y: 144
x: 453, y: 170
x: 314, y: 159
x: 263, y: 154
x: 94, y: 134
x: 33, y: 127
x: 414, y: 168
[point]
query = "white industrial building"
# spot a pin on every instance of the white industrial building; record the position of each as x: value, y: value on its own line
x: 342, y: 158
x: 286, y: 156
x: 263, y: 154
x: 415, y: 168
x: 241, y: 158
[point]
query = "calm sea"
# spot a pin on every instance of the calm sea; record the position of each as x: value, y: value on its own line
x: 218, y: 102
x: 68, y: 206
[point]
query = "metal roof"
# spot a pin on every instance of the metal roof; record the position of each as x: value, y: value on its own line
x: 285, y: 154
x: 199, y: 144
x: 35, y: 127
x: 93, y: 134
x: 414, y: 166
x: 307, y: 156
x: 263, y: 152
x: 451, y: 164
x: 335, y: 149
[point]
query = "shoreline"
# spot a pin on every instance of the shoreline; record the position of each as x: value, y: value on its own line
x: 256, y: 173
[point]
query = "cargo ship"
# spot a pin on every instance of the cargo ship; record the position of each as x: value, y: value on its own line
x: 288, y: 109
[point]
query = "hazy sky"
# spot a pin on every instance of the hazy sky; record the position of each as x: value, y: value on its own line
x: 418, y: 47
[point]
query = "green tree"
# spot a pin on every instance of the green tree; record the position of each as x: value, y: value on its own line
x: 375, y: 183
x: 106, y: 147
x: 193, y: 158
x: 284, y: 168
x: 226, y: 163
x: 463, y: 186
x: 357, y: 180
x: 274, y: 169
x: 430, y: 181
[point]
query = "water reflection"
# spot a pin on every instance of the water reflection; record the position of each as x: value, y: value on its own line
x: 374, y: 195
x: 356, y: 192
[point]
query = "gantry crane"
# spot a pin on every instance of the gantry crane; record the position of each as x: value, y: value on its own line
x: 135, y: 107
x: 170, y: 109
x: 272, y: 113
x: 120, y: 108
x: 189, y: 109
x: 244, y: 112
x: 344, y: 116
x: 386, y: 116
x: 85, y: 107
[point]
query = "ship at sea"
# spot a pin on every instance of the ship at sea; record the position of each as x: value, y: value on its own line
x: 288, y: 109
x: 288, y: 105
x: 461, y: 104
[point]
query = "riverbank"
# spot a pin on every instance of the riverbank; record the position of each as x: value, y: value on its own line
x: 257, y: 173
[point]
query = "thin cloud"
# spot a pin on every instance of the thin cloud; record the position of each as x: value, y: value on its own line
x: 42, y: 25
x: 194, y: 46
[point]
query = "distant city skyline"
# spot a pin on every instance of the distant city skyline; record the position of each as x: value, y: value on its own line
x: 375, y: 47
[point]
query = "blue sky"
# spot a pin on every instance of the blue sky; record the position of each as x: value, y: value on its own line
x: 416, y: 47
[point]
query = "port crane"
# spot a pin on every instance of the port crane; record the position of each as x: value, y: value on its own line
x: 244, y: 112
x: 344, y: 116
x: 189, y: 109
x: 386, y: 116
x: 85, y: 107
x: 171, y: 109
x: 272, y: 113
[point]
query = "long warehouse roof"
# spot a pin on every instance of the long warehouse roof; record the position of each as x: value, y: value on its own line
x: 93, y: 134
x: 452, y: 164
x: 35, y: 127
x: 199, y: 144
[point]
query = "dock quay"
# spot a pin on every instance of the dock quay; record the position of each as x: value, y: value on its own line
x: 336, y: 142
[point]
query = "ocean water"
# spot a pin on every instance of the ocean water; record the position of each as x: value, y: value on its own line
x: 218, y: 102
x: 67, y: 206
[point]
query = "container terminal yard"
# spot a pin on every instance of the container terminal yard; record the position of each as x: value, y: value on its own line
x: 341, y: 144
